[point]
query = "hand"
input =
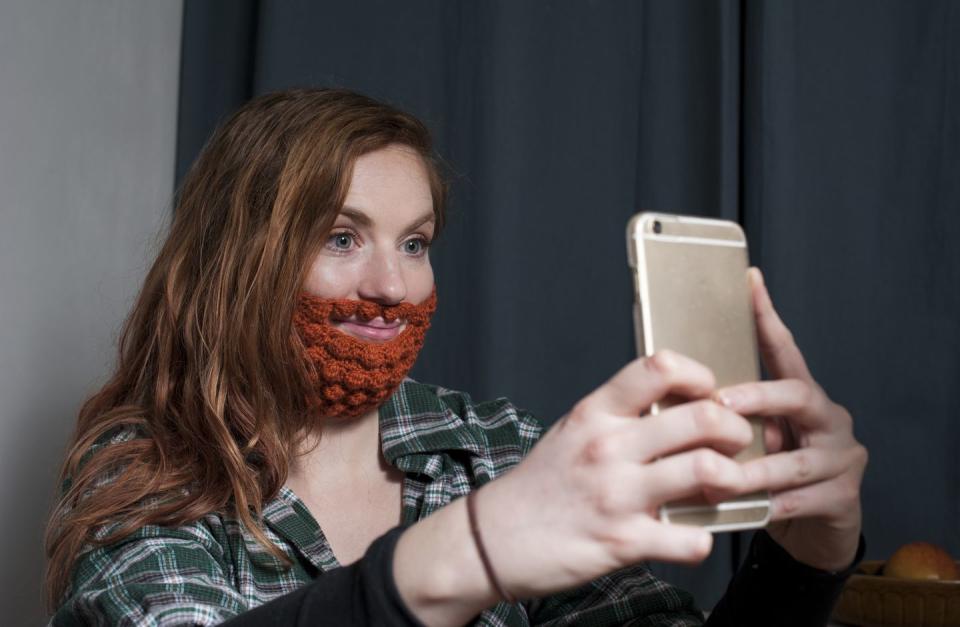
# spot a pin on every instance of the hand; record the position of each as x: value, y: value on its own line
x: 585, y: 500
x: 815, y: 466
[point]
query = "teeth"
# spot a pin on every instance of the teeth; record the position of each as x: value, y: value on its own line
x: 376, y: 324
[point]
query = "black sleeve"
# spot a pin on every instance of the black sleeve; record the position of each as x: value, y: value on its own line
x: 771, y: 585
x: 363, y: 593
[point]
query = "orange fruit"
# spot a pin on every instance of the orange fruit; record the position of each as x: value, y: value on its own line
x: 921, y: 560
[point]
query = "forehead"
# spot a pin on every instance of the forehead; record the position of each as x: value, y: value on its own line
x: 391, y: 182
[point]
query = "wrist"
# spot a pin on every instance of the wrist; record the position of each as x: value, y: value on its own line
x: 478, y: 544
x: 438, y: 570
x: 823, y: 566
x: 828, y: 547
x: 830, y: 557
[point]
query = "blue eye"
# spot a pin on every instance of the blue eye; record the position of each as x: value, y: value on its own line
x: 340, y: 242
x: 416, y: 246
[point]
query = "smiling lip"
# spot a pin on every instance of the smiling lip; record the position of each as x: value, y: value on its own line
x: 376, y: 329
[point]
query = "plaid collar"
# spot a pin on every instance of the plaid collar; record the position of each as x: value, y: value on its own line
x: 418, y: 423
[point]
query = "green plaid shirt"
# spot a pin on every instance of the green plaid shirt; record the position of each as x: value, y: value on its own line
x: 446, y: 444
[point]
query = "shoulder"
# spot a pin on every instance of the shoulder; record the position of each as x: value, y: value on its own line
x: 156, y: 573
x: 124, y: 556
x: 104, y: 444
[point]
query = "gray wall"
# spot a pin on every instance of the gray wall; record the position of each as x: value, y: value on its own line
x: 88, y: 94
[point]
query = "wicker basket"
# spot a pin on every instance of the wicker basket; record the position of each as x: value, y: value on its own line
x: 871, y: 600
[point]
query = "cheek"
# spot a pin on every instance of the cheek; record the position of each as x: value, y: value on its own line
x: 329, y: 279
x: 421, y: 285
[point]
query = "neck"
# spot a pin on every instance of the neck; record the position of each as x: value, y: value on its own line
x: 340, y: 446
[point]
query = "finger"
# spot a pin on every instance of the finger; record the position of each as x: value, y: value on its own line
x: 791, y: 469
x: 777, y: 348
x: 773, y: 437
x: 799, y: 401
x: 828, y: 498
x: 683, y: 427
x: 690, y: 474
x: 642, y: 382
x: 654, y: 540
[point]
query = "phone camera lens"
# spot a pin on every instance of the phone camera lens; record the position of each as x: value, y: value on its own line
x: 657, y: 227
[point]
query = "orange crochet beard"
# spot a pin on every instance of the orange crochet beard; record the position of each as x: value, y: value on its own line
x: 352, y: 376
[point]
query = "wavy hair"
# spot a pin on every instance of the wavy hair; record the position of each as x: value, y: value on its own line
x: 210, y: 372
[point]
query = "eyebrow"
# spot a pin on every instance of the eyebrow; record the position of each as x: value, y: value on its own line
x: 364, y: 220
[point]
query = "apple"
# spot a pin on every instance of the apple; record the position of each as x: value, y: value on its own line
x: 921, y: 560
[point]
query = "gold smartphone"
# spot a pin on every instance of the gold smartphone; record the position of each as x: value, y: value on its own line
x: 692, y: 296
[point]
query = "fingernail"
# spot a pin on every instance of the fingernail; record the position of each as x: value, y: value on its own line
x: 727, y: 398
x: 757, y: 275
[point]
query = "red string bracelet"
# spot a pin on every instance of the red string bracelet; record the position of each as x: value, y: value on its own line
x: 487, y: 566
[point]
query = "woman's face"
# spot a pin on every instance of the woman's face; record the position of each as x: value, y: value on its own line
x: 377, y: 249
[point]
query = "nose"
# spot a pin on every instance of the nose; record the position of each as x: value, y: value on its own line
x: 383, y: 281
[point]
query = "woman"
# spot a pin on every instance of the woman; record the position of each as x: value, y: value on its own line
x: 260, y: 434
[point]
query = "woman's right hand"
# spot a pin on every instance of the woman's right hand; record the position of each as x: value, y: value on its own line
x: 585, y: 500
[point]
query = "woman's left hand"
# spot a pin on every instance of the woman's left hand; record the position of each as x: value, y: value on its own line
x: 814, y: 465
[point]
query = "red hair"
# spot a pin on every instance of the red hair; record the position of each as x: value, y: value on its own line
x: 210, y: 373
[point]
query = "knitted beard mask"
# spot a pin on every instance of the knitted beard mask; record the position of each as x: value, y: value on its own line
x: 351, y: 376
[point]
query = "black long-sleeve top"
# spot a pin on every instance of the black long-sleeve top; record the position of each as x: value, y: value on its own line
x: 769, y: 588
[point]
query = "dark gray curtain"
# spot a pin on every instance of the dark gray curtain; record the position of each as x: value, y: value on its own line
x: 830, y: 130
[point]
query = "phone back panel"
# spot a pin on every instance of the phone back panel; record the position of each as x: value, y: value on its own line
x: 693, y: 297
